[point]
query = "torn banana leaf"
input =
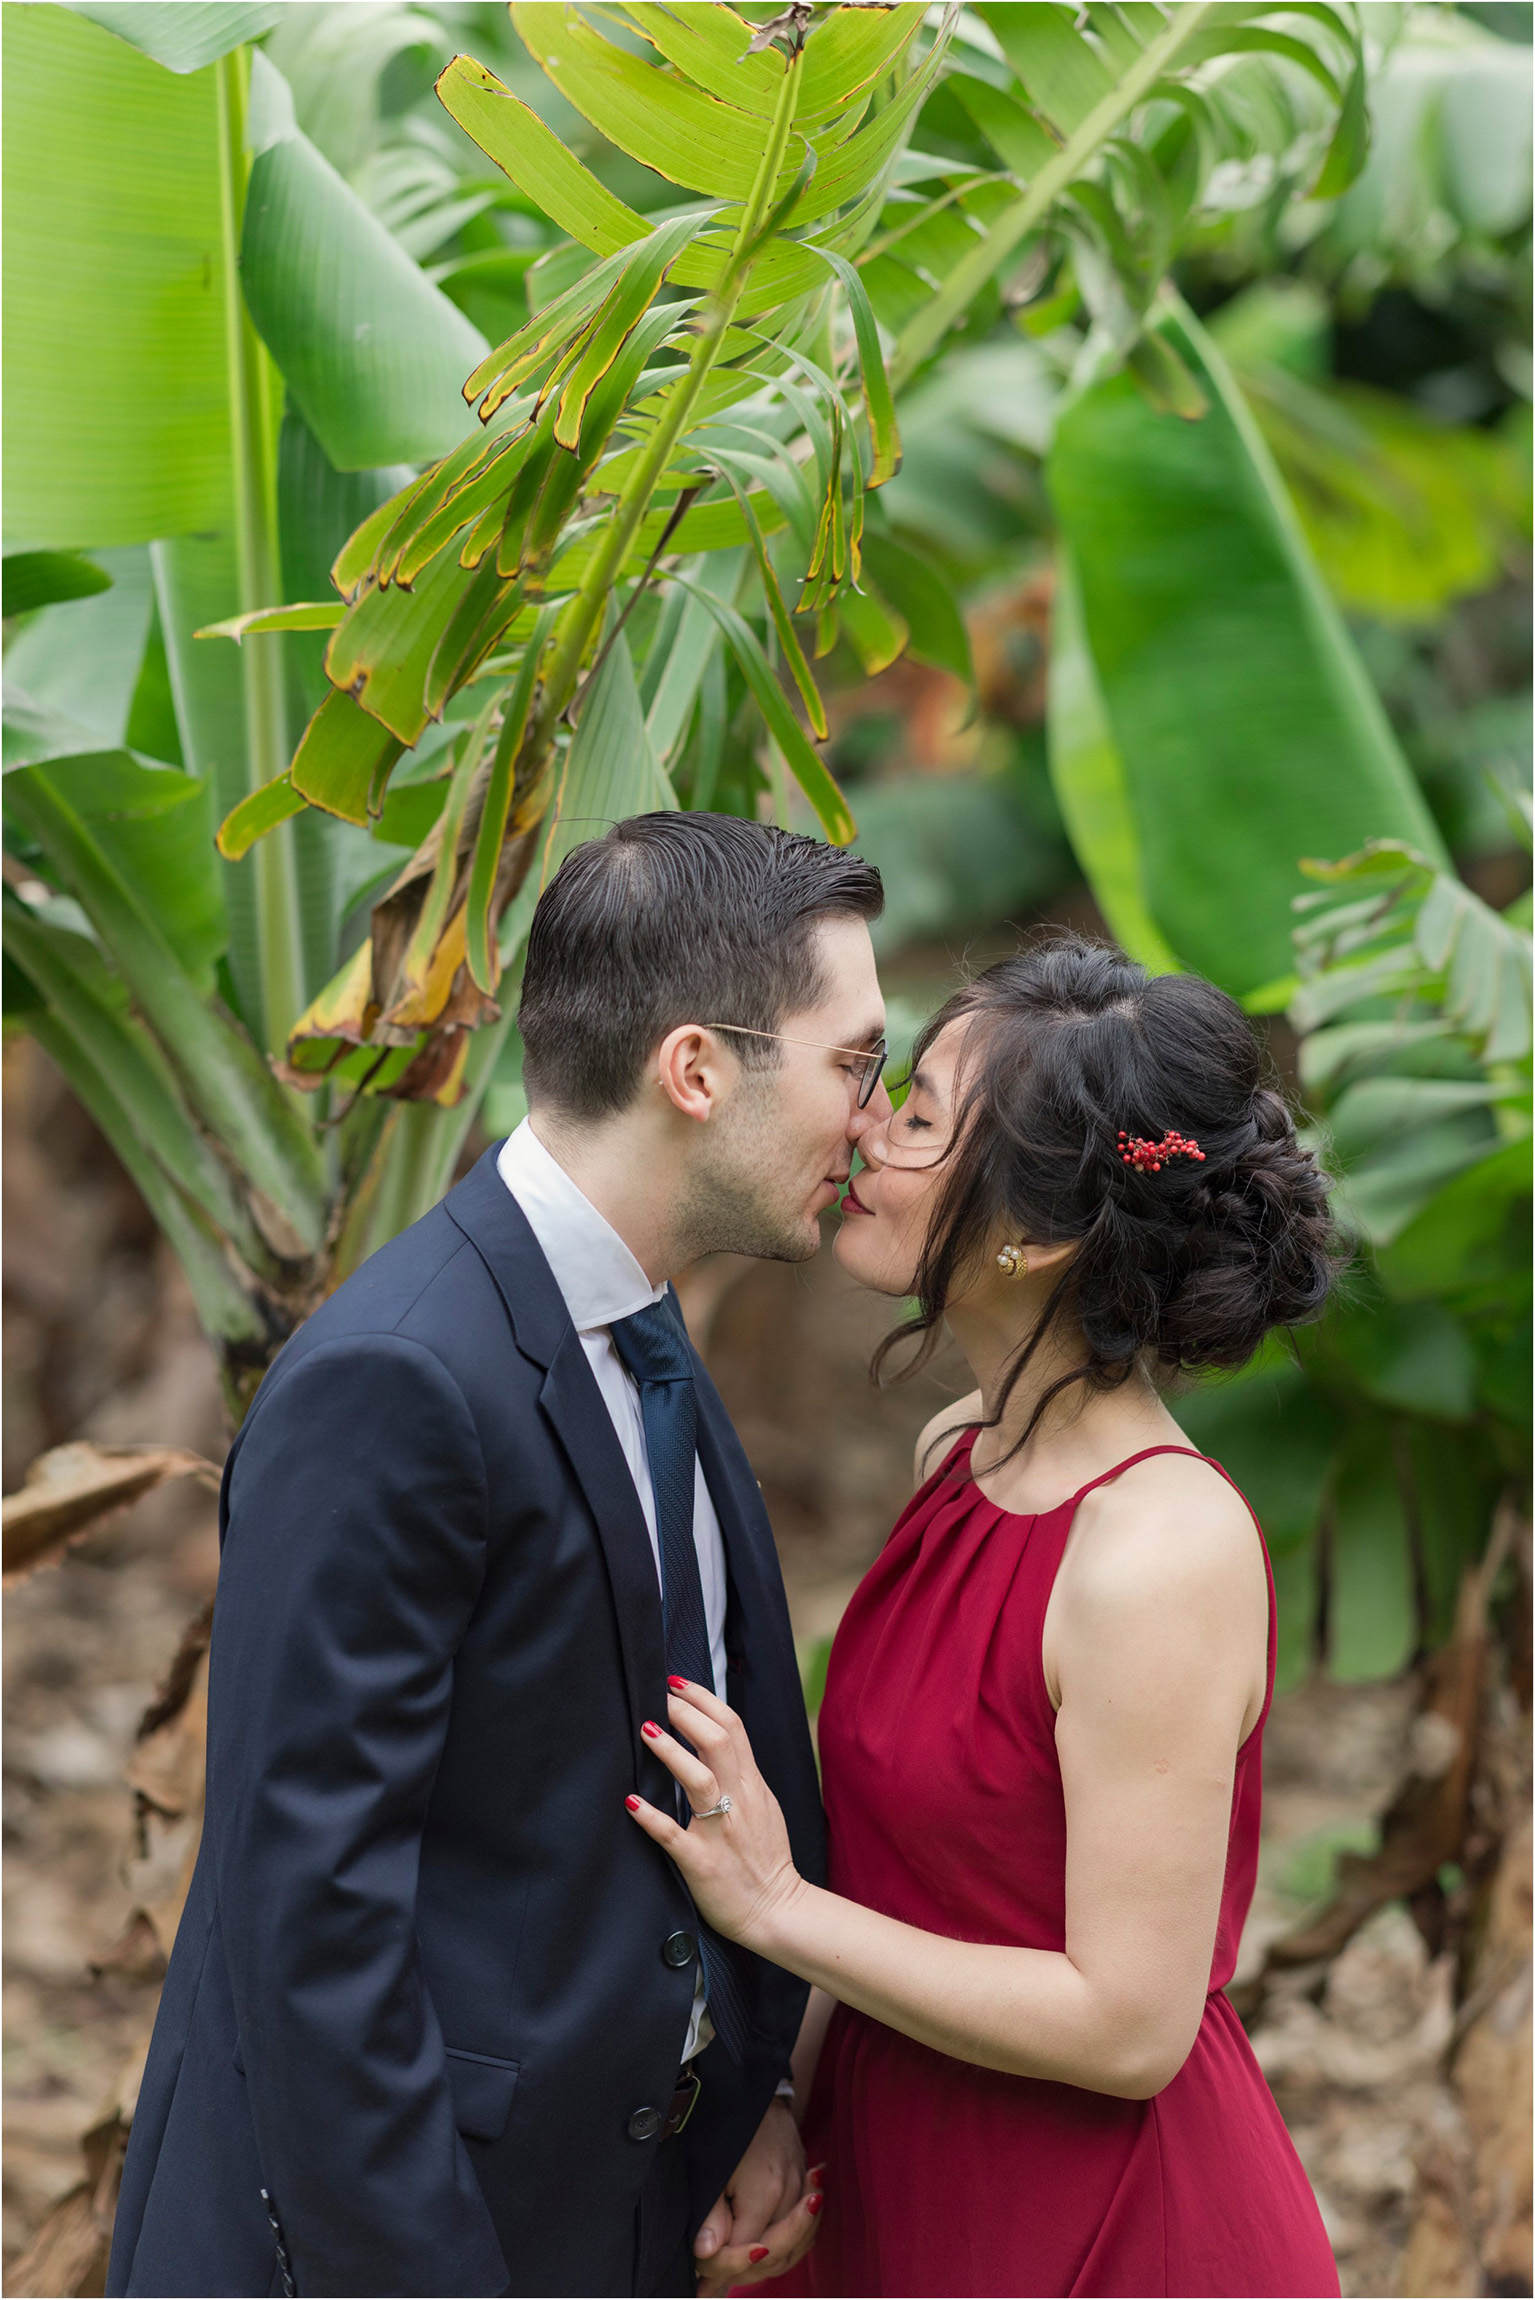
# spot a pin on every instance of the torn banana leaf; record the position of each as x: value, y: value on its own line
x: 344, y: 760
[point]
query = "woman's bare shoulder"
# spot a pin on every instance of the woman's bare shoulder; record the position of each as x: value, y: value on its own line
x: 1164, y: 1529
x: 939, y: 1434
x: 1162, y: 1586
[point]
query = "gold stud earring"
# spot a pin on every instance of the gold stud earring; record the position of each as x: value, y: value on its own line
x: 1013, y: 1262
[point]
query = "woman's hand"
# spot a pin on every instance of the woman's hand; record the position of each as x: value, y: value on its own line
x: 737, y: 1865
x: 766, y: 2221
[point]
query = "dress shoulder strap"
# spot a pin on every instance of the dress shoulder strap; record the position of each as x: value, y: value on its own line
x: 1107, y: 1477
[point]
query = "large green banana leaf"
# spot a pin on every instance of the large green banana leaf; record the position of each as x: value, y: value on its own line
x: 373, y: 353
x: 186, y: 34
x: 106, y: 631
x: 116, y: 387
x: 1089, y: 776
x: 116, y: 412
x: 1247, y: 730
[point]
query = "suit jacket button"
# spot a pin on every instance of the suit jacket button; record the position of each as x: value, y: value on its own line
x: 679, y: 1949
x: 645, y: 2123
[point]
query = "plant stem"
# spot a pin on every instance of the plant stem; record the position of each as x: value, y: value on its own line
x: 410, y: 1179
x: 973, y: 270
x: 585, y: 610
x: 253, y: 394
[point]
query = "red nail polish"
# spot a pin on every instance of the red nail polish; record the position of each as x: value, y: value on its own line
x: 633, y: 1804
x: 678, y: 1684
x: 650, y: 1731
x: 813, y: 2204
x: 757, y: 2252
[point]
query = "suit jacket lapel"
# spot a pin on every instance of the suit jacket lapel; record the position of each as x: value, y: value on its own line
x: 490, y: 1217
x: 574, y: 1404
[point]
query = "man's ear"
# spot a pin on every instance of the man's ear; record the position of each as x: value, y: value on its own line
x: 693, y: 1071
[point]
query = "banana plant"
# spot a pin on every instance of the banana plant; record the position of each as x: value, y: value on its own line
x: 1211, y: 720
x: 1388, y: 1449
x: 1127, y: 129
x: 1376, y: 1445
x: 653, y: 404
x: 158, y: 978
x: 609, y: 596
x: 1381, y: 1440
x: 714, y: 419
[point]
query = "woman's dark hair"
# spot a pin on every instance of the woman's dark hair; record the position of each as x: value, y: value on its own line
x: 1070, y: 1045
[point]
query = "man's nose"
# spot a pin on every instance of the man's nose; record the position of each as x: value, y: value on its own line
x: 871, y: 1119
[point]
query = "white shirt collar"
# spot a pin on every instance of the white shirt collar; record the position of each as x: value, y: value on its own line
x: 593, y: 1268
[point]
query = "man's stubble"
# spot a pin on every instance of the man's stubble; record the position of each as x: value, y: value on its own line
x: 729, y: 1204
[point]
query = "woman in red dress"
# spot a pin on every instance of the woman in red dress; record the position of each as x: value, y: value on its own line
x: 1042, y: 1731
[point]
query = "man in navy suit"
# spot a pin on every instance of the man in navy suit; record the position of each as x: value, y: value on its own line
x: 439, y: 2019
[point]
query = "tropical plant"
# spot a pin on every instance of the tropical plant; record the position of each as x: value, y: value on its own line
x: 1378, y: 1445
x: 752, y: 232
x: 1407, y: 507
x: 1388, y: 1451
x: 583, y: 608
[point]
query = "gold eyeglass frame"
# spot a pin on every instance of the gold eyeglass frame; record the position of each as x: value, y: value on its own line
x: 873, y: 1060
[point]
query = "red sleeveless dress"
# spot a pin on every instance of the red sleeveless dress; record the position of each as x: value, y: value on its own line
x: 943, y: 1794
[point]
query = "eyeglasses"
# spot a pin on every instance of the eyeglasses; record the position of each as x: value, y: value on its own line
x: 873, y: 1061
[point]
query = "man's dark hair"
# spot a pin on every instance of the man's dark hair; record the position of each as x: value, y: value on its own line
x: 675, y: 918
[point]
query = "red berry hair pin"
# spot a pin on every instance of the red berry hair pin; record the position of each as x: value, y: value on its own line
x: 1151, y: 1157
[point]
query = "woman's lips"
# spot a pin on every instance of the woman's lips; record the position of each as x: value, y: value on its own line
x: 853, y: 1204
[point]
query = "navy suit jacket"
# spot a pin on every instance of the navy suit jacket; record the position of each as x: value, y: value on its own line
x: 421, y: 1993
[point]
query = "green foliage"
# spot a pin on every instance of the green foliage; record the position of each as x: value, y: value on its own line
x: 1198, y: 596
x: 1450, y: 170
x: 1378, y: 1448
x: 1404, y: 511
x: 1310, y: 1869
x: 457, y: 654
x: 1410, y: 931
x: 225, y: 1078
x: 322, y: 277
x: 917, y: 594
x: 1101, y: 110
x: 116, y: 407
x: 599, y: 395
x: 1088, y: 771
x: 41, y: 578
x: 956, y: 853
x: 593, y: 395
x: 109, y: 629
x: 187, y: 35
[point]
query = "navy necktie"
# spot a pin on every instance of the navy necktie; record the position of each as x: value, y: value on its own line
x: 653, y: 1344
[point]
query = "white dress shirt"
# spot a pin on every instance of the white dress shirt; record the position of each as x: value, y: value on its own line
x: 602, y: 1282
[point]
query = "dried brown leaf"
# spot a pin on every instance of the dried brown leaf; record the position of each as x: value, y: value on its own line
x: 135, y: 1955
x: 69, y: 2253
x: 72, y: 1490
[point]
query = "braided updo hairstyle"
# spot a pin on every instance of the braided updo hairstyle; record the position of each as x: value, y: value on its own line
x: 1070, y: 1046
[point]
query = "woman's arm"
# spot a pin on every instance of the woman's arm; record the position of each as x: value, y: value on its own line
x: 807, y: 2049
x: 1158, y: 1637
